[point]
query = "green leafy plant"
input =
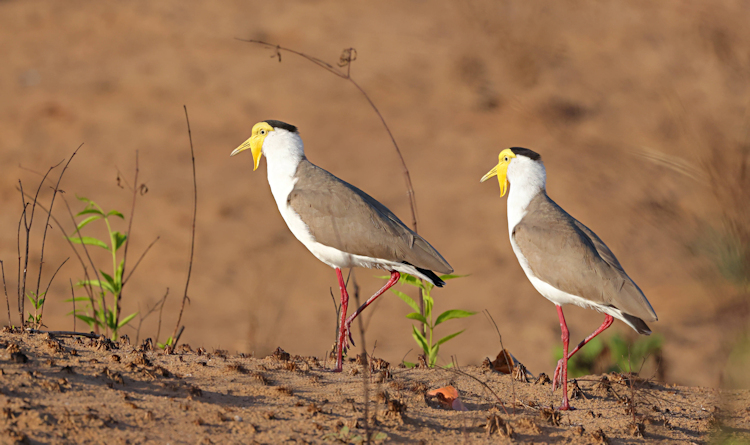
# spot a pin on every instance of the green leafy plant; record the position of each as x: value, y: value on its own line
x: 97, y: 313
x: 430, y: 346
x: 614, y: 354
x: 37, y: 301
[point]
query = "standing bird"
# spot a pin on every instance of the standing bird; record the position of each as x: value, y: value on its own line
x: 340, y: 224
x: 564, y: 260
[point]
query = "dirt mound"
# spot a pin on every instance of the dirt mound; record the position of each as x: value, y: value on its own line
x: 81, y: 390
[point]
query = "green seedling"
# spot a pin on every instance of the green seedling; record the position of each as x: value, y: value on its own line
x: 101, y: 315
x: 37, y: 301
x: 428, y: 343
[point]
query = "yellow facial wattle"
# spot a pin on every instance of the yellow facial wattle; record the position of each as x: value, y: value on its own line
x: 255, y: 142
x: 501, y: 170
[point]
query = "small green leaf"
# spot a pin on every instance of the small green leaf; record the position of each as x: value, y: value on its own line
x: 344, y: 430
x: 83, y: 198
x: 448, y: 366
x: 115, y: 213
x: 126, y: 320
x: 118, y: 273
x: 90, y: 321
x: 412, y: 280
x: 109, y: 279
x: 451, y: 276
x: 69, y: 300
x: 419, y: 338
x: 119, y: 239
x: 417, y: 316
x: 448, y: 337
x: 428, y: 303
x: 89, y: 240
x: 90, y: 210
x: 85, y: 222
x: 407, y: 299
x: 380, y: 436
x: 451, y: 314
x: 409, y: 364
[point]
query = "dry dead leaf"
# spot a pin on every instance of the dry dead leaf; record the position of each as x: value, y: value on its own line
x: 448, y: 398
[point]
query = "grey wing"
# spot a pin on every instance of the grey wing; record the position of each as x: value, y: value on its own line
x: 342, y: 216
x: 567, y: 255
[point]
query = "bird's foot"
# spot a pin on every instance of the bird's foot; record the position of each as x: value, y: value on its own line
x: 565, y: 406
x: 557, y: 377
x: 348, y: 340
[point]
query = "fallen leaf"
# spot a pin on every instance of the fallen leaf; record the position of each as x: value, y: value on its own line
x: 504, y: 362
x: 448, y: 398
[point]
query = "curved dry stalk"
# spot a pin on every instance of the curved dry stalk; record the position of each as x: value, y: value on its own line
x: 139, y: 260
x: 175, y: 334
x: 7, y: 301
x: 28, y: 225
x: 127, y: 240
x: 41, y: 313
x: 46, y: 225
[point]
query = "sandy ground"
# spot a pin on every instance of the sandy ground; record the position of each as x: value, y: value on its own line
x: 591, y: 86
x: 64, y: 391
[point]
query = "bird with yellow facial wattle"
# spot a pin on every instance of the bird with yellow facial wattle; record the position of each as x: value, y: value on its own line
x: 340, y: 224
x: 564, y: 260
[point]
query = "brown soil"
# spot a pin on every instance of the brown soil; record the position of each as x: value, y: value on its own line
x: 592, y: 87
x: 57, y: 390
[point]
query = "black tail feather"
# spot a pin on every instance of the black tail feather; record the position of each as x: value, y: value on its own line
x: 432, y: 276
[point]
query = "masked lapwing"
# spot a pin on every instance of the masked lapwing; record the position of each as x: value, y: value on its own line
x: 564, y: 260
x: 340, y: 224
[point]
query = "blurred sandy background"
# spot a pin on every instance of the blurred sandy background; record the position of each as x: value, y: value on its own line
x: 592, y: 86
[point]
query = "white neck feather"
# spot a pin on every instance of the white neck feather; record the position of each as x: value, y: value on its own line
x: 283, y: 151
x: 527, y: 178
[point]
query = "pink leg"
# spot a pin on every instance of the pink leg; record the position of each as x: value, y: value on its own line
x: 565, y: 338
x: 342, y: 332
x: 394, y: 279
x: 608, y: 320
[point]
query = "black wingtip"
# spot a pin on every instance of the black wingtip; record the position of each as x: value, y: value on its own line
x: 432, y: 276
x: 640, y: 326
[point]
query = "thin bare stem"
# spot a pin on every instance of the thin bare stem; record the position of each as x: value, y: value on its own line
x: 41, y: 314
x: 457, y: 370
x: 7, y: 301
x: 46, y: 224
x: 28, y: 237
x: 161, y: 310
x: 73, y: 299
x: 508, y: 359
x: 127, y: 240
x: 22, y: 219
x: 139, y: 260
x: 192, y: 240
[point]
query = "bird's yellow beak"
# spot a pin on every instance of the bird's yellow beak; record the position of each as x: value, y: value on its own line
x: 255, y: 144
x: 500, y: 170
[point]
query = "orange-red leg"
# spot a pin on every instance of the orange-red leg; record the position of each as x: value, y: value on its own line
x: 565, y: 338
x: 556, y: 381
x: 347, y: 325
x: 344, y: 307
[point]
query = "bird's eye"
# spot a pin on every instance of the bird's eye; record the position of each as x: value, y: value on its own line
x: 506, y: 159
x: 262, y: 132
